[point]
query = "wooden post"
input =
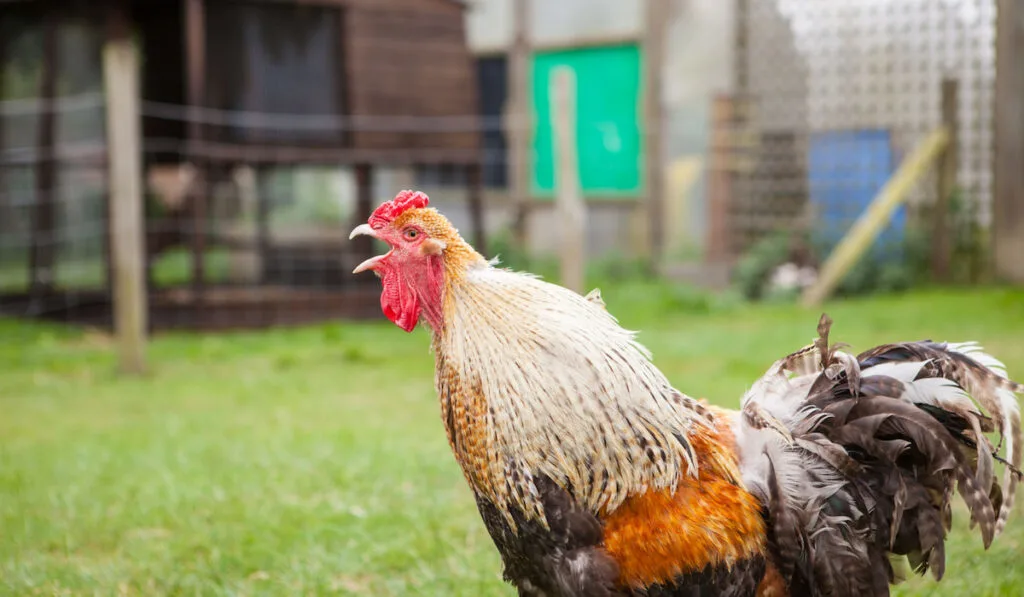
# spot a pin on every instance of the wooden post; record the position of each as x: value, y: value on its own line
x: 474, y: 179
x: 124, y: 148
x: 741, y: 160
x: 942, y: 243
x: 519, y: 124
x: 656, y: 23
x: 44, y: 234
x: 1008, y: 195
x: 570, y: 207
x: 195, y: 73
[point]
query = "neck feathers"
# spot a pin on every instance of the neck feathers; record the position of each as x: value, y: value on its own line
x: 534, y: 378
x: 451, y: 259
x: 459, y: 257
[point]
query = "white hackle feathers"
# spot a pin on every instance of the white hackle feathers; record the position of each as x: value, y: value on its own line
x: 569, y: 393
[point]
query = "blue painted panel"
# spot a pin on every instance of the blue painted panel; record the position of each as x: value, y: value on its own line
x: 846, y: 169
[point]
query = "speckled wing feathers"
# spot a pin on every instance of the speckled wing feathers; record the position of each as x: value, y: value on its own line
x: 857, y: 458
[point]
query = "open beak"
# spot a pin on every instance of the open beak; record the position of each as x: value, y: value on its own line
x: 362, y: 230
x: 365, y: 230
x: 368, y: 264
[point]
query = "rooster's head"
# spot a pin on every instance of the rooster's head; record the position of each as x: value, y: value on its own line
x: 426, y: 251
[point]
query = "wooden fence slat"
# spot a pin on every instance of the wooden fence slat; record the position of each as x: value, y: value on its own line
x: 569, y: 202
x: 121, y: 79
x: 942, y: 242
x: 518, y: 124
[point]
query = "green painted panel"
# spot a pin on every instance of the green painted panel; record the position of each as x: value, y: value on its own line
x: 608, y: 120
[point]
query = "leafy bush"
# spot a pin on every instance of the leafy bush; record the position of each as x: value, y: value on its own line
x: 755, y: 267
x: 970, y: 240
x: 891, y: 267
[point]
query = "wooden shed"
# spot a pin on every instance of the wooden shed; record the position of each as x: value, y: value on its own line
x: 252, y: 85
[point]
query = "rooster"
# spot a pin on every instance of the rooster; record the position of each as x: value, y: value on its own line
x: 595, y: 477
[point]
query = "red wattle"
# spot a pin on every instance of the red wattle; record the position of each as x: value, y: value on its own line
x: 399, y: 302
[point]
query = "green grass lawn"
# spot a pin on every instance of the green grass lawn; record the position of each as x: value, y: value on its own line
x: 313, y: 461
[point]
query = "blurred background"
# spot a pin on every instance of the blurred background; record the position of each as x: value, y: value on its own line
x: 715, y: 142
x: 175, y: 174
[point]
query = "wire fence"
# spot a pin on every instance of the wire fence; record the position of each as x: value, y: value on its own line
x: 275, y: 228
x: 832, y: 94
x: 827, y: 97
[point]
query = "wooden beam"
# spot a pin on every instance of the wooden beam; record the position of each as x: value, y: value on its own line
x: 570, y: 42
x: 210, y: 152
x: 474, y: 180
x: 572, y: 212
x: 655, y: 26
x: 195, y: 75
x: 121, y: 86
x: 44, y: 221
x: 518, y: 121
x: 864, y: 231
x: 942, y: 243
x: 1008, y: 197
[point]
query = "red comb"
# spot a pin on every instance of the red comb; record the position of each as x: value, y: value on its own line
x: 404, y: 201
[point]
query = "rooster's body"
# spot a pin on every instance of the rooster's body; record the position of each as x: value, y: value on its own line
x: 594, y: 476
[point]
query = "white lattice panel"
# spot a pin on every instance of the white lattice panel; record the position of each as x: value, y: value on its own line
x: 817, y: 65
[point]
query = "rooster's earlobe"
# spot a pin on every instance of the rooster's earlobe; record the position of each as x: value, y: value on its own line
x: 433, y: 246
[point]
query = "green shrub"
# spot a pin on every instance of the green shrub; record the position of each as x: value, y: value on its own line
x: 894, y: 267
x: 754, y: 269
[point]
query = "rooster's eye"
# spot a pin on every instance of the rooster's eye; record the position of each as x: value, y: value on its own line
x: 411, y: 233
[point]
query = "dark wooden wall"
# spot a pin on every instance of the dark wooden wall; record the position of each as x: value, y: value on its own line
x: 409, y: 58
x: 397, y: 58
